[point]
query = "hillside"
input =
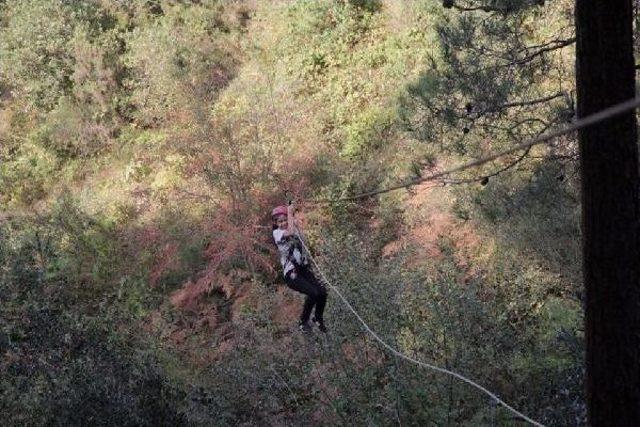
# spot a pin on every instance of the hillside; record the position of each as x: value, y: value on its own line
x: 144, y: 144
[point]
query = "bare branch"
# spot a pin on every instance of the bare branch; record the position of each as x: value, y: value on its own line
x: 548, y: 44
x: 448, y: 4
x: 487, y: 9
x: 549, y: 47
x: 499, y: 108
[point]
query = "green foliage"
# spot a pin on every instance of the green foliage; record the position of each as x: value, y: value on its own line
x: 179, y: 59
x: 500, y: 331
x: 34, y: 55
x: 492, y: 74
x: 75, y: 369
x: 367, y: 132
x: 349, y: 73
x: 65, y: 352
x: 38, y: 60
x: 535, y: 216
x: 26, y: 177
x: 81, y: 71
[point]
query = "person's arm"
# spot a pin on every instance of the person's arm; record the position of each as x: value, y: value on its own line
x: 290, y: 219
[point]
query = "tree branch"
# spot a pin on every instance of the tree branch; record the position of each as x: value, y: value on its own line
x: 487, y: 9
x: 548, y: 47
x: 483, y: 179
x: 448, y: 4
x: 503, y: 107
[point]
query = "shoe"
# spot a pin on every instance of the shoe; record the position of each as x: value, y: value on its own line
x: 320, y: 324
x: 304, y: 326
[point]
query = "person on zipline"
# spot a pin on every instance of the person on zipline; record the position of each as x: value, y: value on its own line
x: 297, y: 272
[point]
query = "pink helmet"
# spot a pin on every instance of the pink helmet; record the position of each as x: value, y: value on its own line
x: 279, y: 210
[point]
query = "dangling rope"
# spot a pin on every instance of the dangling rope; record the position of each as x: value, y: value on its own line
x: 605, y: 114
x: 406, y: 357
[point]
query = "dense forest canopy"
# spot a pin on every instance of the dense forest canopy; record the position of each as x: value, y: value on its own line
x: 144, y: 143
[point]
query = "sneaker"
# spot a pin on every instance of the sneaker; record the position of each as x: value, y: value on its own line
x: 320, y: 324
x: 304, y: 326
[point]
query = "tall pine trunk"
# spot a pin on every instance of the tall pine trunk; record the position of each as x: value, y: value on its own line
x: 610, y: 207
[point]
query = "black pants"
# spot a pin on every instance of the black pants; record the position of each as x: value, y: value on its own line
x: 306, y: 283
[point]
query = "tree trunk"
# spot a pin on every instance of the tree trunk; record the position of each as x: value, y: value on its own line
x: 610, y: 207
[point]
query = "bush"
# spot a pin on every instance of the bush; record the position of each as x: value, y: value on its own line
x: 179, y: 62
x: 68, y: 357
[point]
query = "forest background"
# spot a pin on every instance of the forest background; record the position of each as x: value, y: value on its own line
x: 144, y: 143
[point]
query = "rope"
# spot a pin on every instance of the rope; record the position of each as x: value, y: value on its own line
x: 576, y: 125
x: 409, y: 358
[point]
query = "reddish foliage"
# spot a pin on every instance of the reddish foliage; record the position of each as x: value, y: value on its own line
x: 164, y: 262
x: 153, y: 239
x: 189, y: 296
x: 236, y: 236
x: 236, y: 240
x: 148, y: 237
x: 248, y: 182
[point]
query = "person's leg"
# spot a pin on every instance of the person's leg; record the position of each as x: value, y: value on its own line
x: 321, y: 301
x: 321, y: 295
x: 301, y: 285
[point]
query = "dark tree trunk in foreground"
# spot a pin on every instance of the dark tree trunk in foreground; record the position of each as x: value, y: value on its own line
x: 609, y: 167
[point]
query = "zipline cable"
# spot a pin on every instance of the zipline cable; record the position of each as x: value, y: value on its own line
x: 576, y: 125
x: 409, y: 358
